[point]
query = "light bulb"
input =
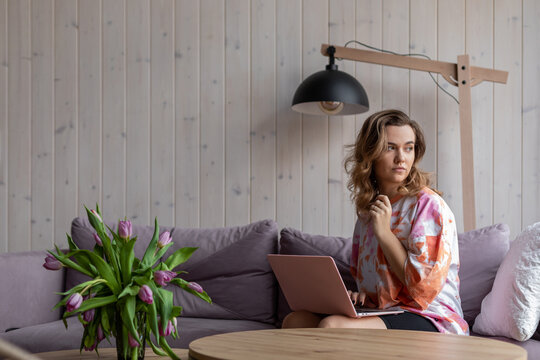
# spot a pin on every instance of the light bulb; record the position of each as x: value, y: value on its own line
x: 330, y: 107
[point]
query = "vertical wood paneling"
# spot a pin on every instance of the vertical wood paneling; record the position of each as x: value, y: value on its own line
x: 3, y: 125
x: 114, y: 124
x: 212, y: 78
x: 423, y: 91
x: 42, y: 171
x: 288, y: 122
x: 90, y: 157
x: 314, y: 128
x: 395, y: 37
x: 479, y: 35
x: 187, y: 113
x: 237, y: 112
x: 451, y: 43
x: 162, y: 111
x: 507, y: 115
x: 263, y: 105
x: 19, y: 123
x: 369, y: 31
x: 341, y: 129
x: 531, y: 113
x: 138, y: 111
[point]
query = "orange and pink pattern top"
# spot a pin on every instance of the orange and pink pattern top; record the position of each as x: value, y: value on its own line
x: 425, y: 226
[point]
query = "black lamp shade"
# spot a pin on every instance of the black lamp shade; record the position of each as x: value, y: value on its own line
x: 330, y: 86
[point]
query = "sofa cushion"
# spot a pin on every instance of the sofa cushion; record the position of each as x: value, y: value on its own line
x: 230, y: 264
x: 512, y: 308
x: 481, y: 252
x: 295, y: 242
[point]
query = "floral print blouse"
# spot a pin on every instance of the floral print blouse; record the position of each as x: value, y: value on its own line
x: 425, y: 226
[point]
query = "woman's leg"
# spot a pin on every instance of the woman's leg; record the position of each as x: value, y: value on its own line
x: 301, y: 319
x: 340, y: 321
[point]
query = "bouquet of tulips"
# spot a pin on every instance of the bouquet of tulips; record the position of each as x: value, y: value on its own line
x: 125, y: 297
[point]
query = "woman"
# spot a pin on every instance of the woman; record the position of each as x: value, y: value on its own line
x: 405, y: 246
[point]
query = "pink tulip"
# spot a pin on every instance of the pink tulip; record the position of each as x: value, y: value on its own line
x: 164, y: 239
x: 74, y: 302
x: 88, y: 315
x: 146, y: 295
x: 132, y: 342
x: 51, y: 263
x: 98, y: 240
x: 96, y: 215
x: 125, y: 229
x: 100, y: 335
x: 91, y: 348
x: 195, y: 287
x: 163, y: 277
x: 168, y: 330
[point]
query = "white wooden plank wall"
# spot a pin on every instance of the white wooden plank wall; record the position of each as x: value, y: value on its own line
x: 180, y: 109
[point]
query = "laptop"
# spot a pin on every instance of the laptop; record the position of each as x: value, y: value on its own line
x: 313, y: 283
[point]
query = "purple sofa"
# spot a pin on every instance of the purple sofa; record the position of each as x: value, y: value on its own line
x: 231, y: 266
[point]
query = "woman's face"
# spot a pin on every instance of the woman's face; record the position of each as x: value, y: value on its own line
x: 396, y: 161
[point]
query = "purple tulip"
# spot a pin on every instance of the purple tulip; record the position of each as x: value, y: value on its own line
x: 132, y: 342
x: 163, y: 277
x: 125, y: 229
x: 145, y: 294
x: 88, y: 315
x: 164, y: 239
x: 51, y: 263
x: 195, y: 287
x: 168, y: 330
x: 98, y: 240
x: 74, y: 302
x: 99, y: 334
x: 91, y: 348
x: 96, y: 215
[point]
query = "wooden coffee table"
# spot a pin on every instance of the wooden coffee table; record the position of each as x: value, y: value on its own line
x: 105, y: 354
x: 349, y: 344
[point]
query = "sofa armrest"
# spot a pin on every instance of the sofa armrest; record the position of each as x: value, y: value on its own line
x: 28, y: 292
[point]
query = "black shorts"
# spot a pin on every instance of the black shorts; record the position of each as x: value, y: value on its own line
x: 408, y: 321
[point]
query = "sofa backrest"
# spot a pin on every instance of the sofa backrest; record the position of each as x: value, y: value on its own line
x: 230, y: 264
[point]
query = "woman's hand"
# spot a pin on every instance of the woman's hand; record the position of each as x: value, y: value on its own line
x: 381, y: 214
x: 356, y: 297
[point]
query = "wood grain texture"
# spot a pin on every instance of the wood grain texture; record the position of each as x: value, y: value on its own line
x: 341, y: 129
x: 90, y: 95
x: 212, y: 80
x: 288, y: 122
x: 66, y: 204
x: 114, y: 115
x: 238, y: 112
x: 263, y: 104
x: 507, y: 136
x: 138, y: 111
x: 395, y: 37
x: 350, y: 343
x: 531, y: 114
x: 19, y: 125
x: 314, y: 128
x: 479, y: 45
x: 162, y: 111
x: 42, y: 110
x: 423, y: 91
x: 187, y: 113
x: 3, y: 125
x: 450, y: 42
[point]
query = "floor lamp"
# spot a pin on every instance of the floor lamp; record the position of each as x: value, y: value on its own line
x: 333, y: 92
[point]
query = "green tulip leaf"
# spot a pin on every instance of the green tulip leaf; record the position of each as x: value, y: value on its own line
x: 147, y: 260
x: 103, y: 268
x: 126, y: 260
x: 180, y: 256
x: 156, y: 350
x: 128, y: 315
x: 165, y: 346
x: 162, y: 251
x: 184, y: 285
x: 152, y: 320
x: 132, y: 290
x: 93, y: 303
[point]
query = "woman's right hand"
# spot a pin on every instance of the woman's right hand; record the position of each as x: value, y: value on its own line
x: 356, y: 297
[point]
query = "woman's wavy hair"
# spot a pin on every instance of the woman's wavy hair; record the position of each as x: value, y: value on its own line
x: 370, y: 144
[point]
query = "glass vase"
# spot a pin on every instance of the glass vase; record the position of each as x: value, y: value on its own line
x: 123, y: 349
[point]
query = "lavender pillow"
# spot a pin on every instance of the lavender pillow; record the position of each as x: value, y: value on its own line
x: 230, y: 264
x: 295, y: 242
x: 481, y: 252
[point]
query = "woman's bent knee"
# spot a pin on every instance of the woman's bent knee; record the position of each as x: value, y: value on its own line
x: 301, y: 319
